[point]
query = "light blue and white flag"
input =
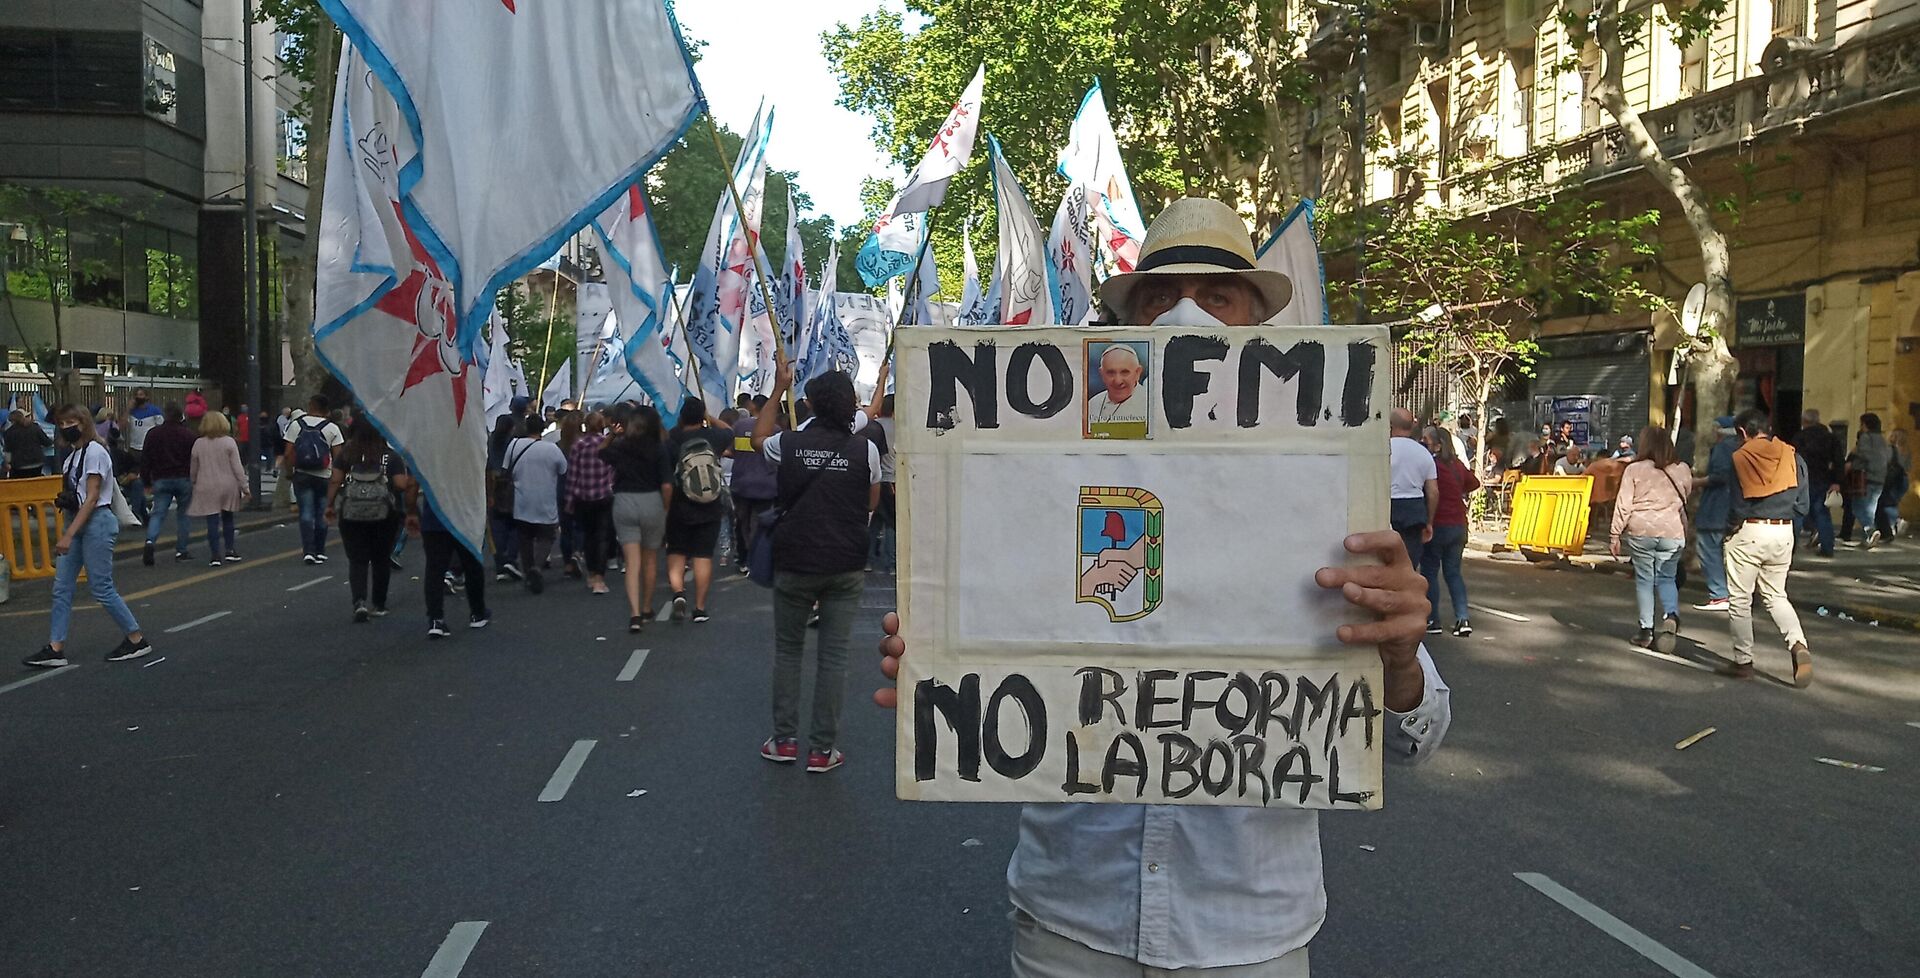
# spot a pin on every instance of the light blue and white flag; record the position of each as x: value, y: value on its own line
x: 464, y: 153
x: 716, y: 312
x: 1294, y: 251
x: 1091, y: 161
x: 640, y: 288
x: 1020, y: 268
x: 791, y: 295
x: 897, y: 234
x: 497, y: 385
x: 973, y: 301
x: 926, y: 284
x: 807, y: 350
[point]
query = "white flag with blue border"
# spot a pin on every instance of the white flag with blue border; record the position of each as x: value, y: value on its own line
x: 1294, y: 252
x: 888, y: 252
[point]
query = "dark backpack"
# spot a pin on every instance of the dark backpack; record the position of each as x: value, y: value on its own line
x: 503, y: 483
x: 310, y: 448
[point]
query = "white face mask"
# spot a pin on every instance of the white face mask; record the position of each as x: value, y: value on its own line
x: 1186, y: 312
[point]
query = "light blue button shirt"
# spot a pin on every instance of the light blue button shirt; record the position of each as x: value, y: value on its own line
x: 1192, y: 886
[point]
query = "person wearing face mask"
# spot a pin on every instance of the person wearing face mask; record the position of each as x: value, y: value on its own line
x: 1116, y: 889
x: 86, y: 497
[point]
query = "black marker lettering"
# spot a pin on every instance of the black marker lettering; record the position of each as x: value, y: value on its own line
x: 1117, y: 767
x: 1097, y: 686
x: 1360, y: 705
x: 1305, y: 360
x: 1252, y: 753
x: 1060, y: 380
x: 1019, y: 689
x: 1249, y: 691
x: 961, y: 710
x: 1178, y: 752
x: 1144, y: 705
x: 1073, y: 785
x: 1284, y: 774
x: 1320, y: 697
x: 1216, y: 785
x: 1180, y: 383
x: 1356, y: 400
x: 949, y: 369
x: 1191, y: 701
x: 1274, y: 687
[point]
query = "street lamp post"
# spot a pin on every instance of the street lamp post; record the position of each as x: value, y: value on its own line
x: 250, y: 250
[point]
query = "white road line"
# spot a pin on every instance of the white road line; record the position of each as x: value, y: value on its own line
x: 1910, y: 723
x: 30, y: 680
x: 197, y: 622
x: 318, y: 580
x: 632, y: 668
x: 1497, y: 613
x: 569, y: 769
x: 1615, y: 928
x: 1676, y: 660
x: 453, y: 952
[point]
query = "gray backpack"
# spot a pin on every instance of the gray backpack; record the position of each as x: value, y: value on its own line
x: 367, y: 497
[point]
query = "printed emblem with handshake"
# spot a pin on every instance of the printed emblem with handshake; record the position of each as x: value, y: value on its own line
x: 1113, y: 569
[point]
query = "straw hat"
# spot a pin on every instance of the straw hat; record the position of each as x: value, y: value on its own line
x: 1198, y: 236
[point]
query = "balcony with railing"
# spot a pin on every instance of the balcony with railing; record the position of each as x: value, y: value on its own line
x: 1798, y: 85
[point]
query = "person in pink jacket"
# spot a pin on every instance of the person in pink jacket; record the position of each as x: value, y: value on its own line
x: 1650, y: 516
x: 219, y: 485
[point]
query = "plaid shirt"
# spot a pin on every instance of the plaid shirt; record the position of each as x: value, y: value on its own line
x: 588, y: 478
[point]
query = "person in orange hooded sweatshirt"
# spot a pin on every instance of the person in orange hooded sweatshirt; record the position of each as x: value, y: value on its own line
x: 1771, y: 501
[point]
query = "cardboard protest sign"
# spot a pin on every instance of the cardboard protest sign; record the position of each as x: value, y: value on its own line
x: 1106, y: 568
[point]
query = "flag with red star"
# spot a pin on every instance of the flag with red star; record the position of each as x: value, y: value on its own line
x: 898, y: 232
x: 459, y: 163
x: 1070, y: 260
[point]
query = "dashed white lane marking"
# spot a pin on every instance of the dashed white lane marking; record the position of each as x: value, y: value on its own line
x: 1497, y: 613
x: 197, y: 622
x: 322, y: 579
x: 1910, y: 723
x: 452, y: 956
x: 632, y: 668
x: 1615, y: 928
x: 569, y: 769
x: 36, y: 677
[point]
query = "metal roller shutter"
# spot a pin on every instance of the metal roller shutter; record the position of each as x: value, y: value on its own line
x: 1613, y: 365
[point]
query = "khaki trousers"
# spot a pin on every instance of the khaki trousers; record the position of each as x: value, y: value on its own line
x: 1759, y: 556
x: 1041, y: 953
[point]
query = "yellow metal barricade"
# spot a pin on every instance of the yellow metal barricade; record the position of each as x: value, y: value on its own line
x: 1550, y: 512
x: 30, y: 524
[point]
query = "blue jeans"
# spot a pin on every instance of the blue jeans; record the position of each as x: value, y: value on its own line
x: 1819, y: 518
x: 220, y: 535
x: 137, y: 499
x: 93, y: 550
x: 1441, y: 557
x: 1865, y: 507
x: 311, y: 491
x: 1655, y: 559
x: 170, y: 492
x: 1712, y: 545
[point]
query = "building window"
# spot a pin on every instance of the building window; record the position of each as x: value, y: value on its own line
x: 292, y: 152
x: 1522, y: 109
x: 70, y: 71
x: 1589, y: 80
x: 1314, y: 164
x: 1693, y: 67
x: 1790, y: 18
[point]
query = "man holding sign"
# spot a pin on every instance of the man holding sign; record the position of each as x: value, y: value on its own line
x: 1227, y: 882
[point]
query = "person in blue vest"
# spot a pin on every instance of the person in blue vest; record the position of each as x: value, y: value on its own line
x: 828, y: 484
x: 1711, y: 518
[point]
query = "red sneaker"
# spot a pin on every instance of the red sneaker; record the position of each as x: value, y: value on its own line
x: 781, y: 750
x: 821, y: 761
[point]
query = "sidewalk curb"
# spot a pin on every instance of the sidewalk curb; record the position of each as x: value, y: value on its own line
x: 1863, y: 613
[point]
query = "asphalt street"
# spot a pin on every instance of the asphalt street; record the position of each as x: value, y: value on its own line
x: 278, y: 792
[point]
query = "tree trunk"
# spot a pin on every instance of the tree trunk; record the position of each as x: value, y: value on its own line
x: 309, y: 374
x: 1712, y: 364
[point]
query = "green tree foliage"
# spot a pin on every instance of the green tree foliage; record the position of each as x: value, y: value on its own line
x: 1466, y: 294
x: 1196, y: 89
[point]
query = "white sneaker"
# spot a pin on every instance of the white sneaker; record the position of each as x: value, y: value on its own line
x: 1716, y: 604
x: 1873, y: 539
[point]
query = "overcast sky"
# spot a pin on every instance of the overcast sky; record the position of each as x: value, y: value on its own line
x: 771, y: 48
